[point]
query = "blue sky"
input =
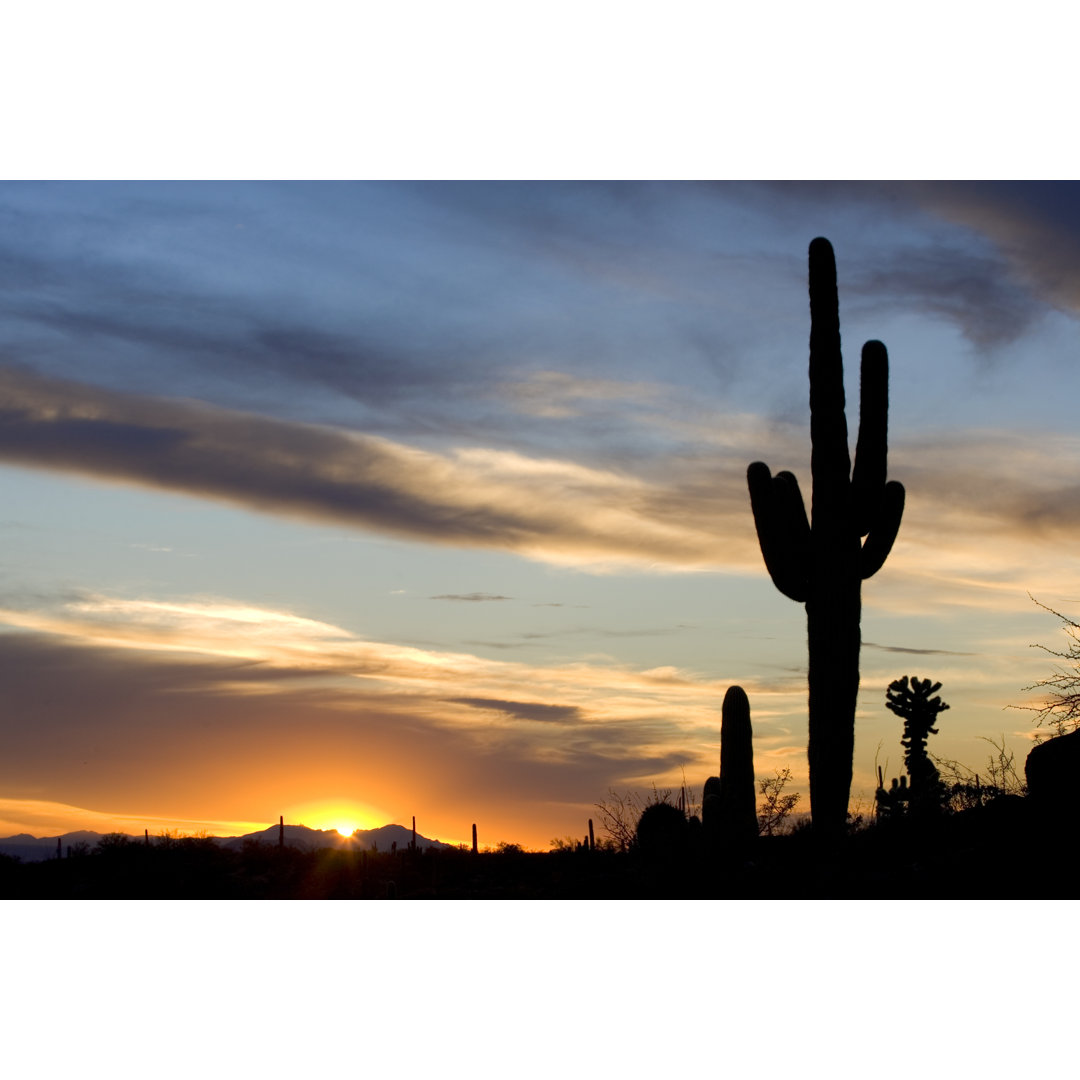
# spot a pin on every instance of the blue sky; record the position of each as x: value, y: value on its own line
x: 429, y: 498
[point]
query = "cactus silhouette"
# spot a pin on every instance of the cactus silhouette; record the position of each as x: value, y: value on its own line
x: 919, y: 711
x: 729, y: 802
x: 822, y: 561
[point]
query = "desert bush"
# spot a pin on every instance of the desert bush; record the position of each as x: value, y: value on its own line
x: 776, y: 807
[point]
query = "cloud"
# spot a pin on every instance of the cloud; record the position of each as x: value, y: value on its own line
x: 989, y: 512
x: 251, y: 645
x: 200, y: 302
x: 914, y: 652
x: 525, y: 710
x: 473, y: 597
x: 1021, y: 255
x: 49, y: 819
x: 226, y: 654
x: 211, y: 707
x: 545, y: 508
x: 1036, y: 226
x: 972, y: 290
x: 559, y: 396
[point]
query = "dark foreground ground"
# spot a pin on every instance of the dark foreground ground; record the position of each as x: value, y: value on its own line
x: 970, y: 856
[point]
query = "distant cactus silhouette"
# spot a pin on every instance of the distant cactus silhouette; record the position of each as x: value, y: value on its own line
x: 823, y: 561
x: 729, y: 801
x: 893, y: 803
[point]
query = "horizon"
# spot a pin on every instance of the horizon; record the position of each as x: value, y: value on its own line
x: 359, y: 501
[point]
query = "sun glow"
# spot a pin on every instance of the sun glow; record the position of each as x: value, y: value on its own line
x: 343, y: 815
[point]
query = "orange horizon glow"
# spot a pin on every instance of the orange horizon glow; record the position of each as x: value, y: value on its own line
x: 340, y: 815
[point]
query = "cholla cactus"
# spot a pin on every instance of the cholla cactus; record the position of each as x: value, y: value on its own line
x: 919, y: 711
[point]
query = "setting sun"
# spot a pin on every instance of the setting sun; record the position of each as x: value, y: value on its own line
x: 343, y: 815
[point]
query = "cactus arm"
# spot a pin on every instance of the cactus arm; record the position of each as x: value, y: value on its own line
x: 871, y: 452
x: 878, y: 544
x: 782, y: 528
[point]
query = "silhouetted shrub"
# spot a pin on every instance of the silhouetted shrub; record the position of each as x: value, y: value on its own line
x: 776, y: 807
x: 1051, y: 770
x: 662, y: 831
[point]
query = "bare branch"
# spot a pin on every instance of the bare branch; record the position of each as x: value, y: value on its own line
x: 1060, y: 707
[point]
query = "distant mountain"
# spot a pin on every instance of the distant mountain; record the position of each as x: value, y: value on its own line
x: 36, y: 848
x: 386, y: 835
x: 306, y: 839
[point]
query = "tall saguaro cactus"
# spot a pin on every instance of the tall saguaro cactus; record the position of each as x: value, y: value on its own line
x: 823, y: 561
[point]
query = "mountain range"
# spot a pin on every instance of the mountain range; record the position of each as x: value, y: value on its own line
x: 36, y: 848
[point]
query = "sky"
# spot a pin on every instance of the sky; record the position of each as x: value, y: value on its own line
x: 350, y: 502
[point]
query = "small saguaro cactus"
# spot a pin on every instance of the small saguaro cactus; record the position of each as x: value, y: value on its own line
x: 474, y: 847
x: 729, y: 801
x: 822, y: 561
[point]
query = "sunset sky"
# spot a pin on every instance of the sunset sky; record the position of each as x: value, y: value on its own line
x: 354, y: 502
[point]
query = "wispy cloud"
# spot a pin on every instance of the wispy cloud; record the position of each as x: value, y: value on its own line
x: 550, y: 509
x: 970, y: 289
x: 53, y: 818
x: 526, y: 710
x: 1035, y: 225
x: 240, y: 661
x: 1021, y: 256
x: 559, y: 395
x: 914, y: 652
x: 473, y: 597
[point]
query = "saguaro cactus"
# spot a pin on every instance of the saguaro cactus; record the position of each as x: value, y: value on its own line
x: 729, y: 803
x: 823, y: 561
